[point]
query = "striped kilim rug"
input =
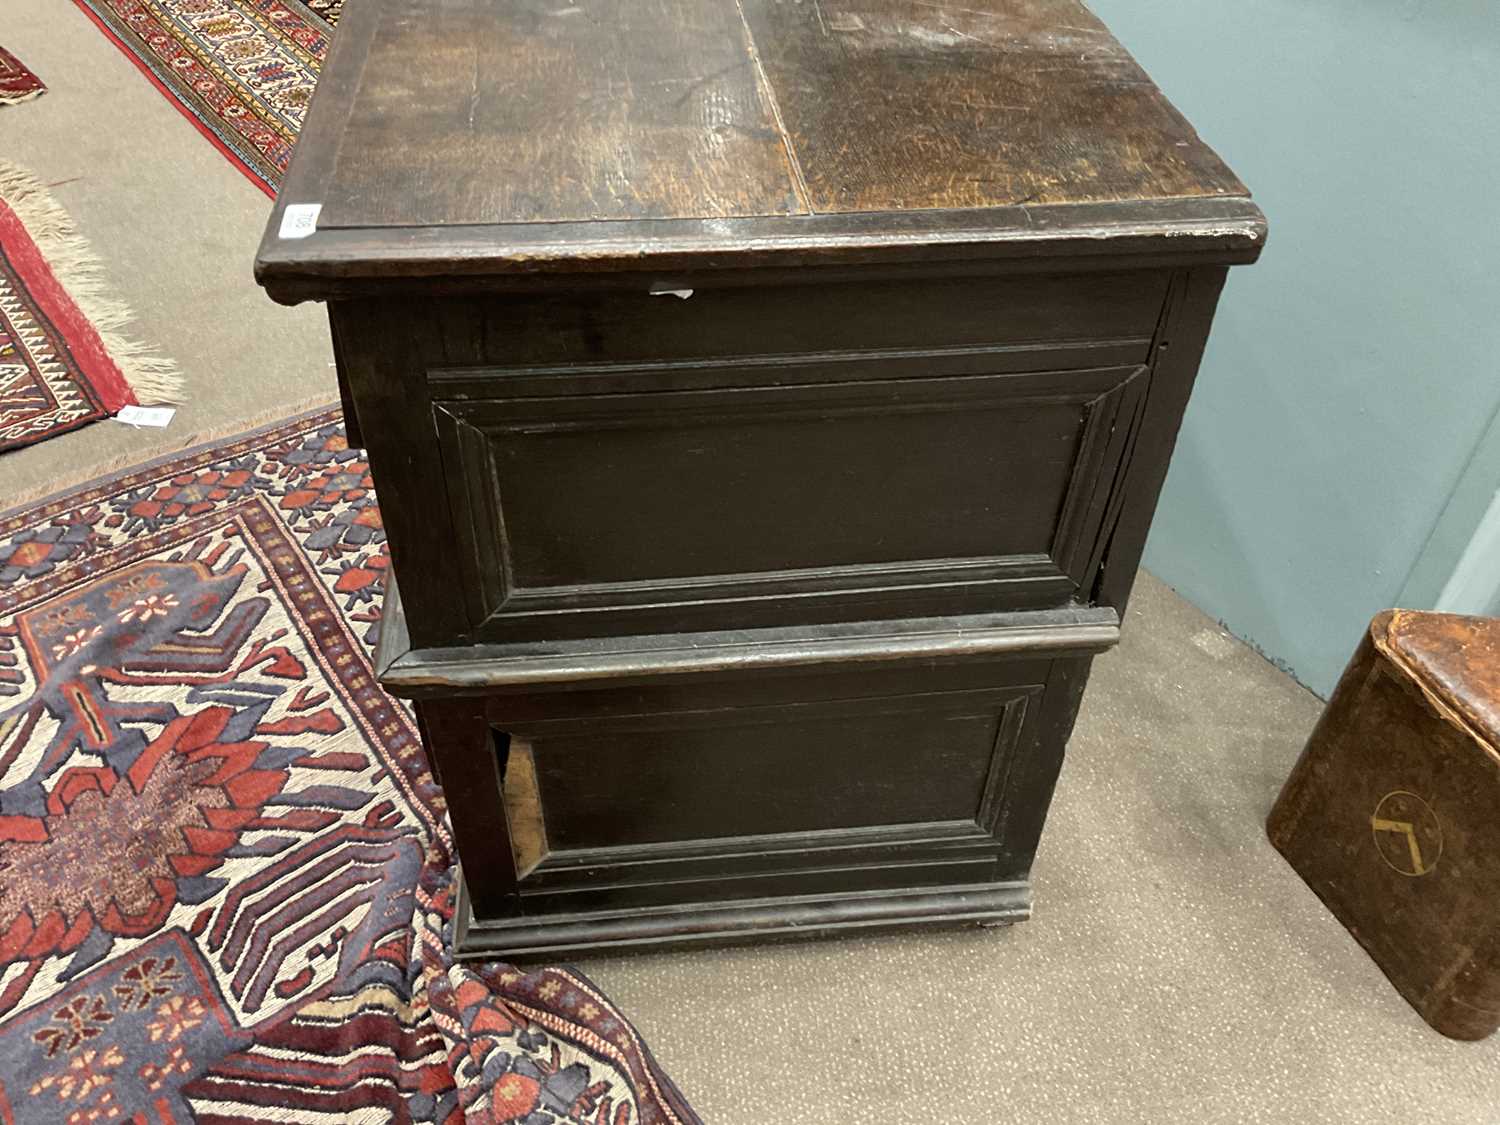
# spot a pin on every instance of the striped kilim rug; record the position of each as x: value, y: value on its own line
x: 63, y: 360
x: 17, y: 83
x: 243, y: 71
x: 224, y: 870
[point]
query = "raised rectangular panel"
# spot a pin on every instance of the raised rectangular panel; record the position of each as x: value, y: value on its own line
x: 866, y: 486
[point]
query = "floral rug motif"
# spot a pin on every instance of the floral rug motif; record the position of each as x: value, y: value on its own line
x: 225, y: 874
x: 243, y: 71
x: 63, y: 362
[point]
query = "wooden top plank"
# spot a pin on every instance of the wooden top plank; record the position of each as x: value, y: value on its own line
x: 498, y: 139
x: 891, y: 105
x: 473, y: 111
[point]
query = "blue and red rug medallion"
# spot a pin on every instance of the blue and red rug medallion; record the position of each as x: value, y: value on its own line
x: 224, y: 869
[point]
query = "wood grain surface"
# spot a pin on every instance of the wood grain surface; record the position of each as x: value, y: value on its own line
x: 470, y: 111
x: 892, y: 105
x: 788, y: 588
x: 465, y: 112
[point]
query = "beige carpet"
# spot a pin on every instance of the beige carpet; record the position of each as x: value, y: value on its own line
x: 176, y: 226
x: 1176, y: 970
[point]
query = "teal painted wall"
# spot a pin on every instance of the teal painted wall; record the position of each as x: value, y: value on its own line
x: 1353, y: 372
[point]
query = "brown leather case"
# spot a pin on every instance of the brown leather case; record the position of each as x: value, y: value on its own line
x: 1392, y: 814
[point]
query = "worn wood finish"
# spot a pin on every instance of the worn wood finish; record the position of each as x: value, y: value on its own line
x: 1181, y: 335
x: 471, y: 771
x: 472, y: 113
x: 754, y: 920
x: 725, y: 253
x: 347, y: 402
x: 462, y: 139
x: 374, y: 357
x: 908, y: 104
x: 1390, y: 814
x: 1003, y: 510
x: 802, y: 315
x: 640, y: 785
x: 766, y: 607
x: 419, y: 673
x: 546, y: 112
x: 462, y: 111
x: 634, y: 705
x: 997, y: 419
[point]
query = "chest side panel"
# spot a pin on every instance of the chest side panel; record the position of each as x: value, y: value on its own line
x: 607, y: 465
x: 950, y: 447
x: 892, y: 778
x: 788, y: 492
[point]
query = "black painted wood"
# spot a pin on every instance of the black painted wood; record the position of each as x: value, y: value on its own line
x: 541, y: 666
x: 661, y: 792
x: 689, y: 133
x: 470, y: 768
x: 760, y: 492
x: 747, y: 920
x: 752, y: 457
x: 690, y: 509
x: 534, y: 460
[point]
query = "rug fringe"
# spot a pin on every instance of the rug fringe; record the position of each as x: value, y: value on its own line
x: 17, y: 99
x: 80, y: 272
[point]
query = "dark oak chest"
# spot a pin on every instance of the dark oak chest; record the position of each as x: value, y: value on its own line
x: 767, y: 402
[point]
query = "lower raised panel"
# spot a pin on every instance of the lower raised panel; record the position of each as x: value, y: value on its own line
x: 627, y: 806
x: 818, y: 767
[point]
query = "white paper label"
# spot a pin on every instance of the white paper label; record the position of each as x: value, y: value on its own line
x: 299, y: 219
x: 145, y: 415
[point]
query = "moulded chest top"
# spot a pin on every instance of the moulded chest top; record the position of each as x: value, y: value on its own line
x: 729, y: 123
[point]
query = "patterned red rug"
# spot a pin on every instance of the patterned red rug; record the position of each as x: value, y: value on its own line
x: 63, y: 362
x: 224, y: 870
x: 17, y: 83
x: 243, y: 71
